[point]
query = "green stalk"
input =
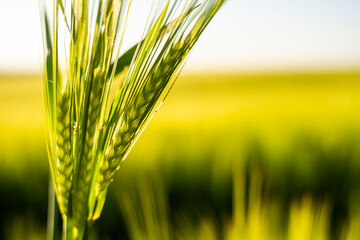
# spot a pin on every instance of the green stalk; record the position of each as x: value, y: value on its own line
x: 88, y: 228
x: 71, y: 232
x: 53, y: 213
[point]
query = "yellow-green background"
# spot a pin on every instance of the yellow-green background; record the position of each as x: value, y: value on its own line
x: 236, y: 156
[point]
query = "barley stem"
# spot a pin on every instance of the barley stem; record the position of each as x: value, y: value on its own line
x: 53, y: 213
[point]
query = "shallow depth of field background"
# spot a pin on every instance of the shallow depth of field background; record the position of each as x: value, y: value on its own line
x: 259, y: 139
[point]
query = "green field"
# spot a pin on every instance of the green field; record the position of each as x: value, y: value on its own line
x: 242, y: 156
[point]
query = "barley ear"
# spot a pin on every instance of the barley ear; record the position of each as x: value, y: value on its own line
x: 133, y: 118
x: 64, y: 164
x: 148, y: 79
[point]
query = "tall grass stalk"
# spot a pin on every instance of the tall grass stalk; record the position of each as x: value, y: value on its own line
x: 89, y: 132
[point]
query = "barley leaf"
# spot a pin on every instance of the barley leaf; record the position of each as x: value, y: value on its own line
x: 125, y: 59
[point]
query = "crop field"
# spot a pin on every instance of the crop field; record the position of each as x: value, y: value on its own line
x: 227, y: 156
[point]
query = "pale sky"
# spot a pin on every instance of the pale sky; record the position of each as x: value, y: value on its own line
x: 245, y: 35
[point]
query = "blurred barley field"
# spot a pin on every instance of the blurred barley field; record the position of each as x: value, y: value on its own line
x: 227, y: 156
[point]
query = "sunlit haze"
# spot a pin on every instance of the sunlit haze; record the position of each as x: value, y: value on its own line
x: 245, y: 35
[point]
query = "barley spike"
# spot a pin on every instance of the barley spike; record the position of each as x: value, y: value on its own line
x: 64, y: 169
x: 133, y: 118
x: 84, y: 174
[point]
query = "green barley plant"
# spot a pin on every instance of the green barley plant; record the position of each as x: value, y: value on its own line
x: 92, y: 124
